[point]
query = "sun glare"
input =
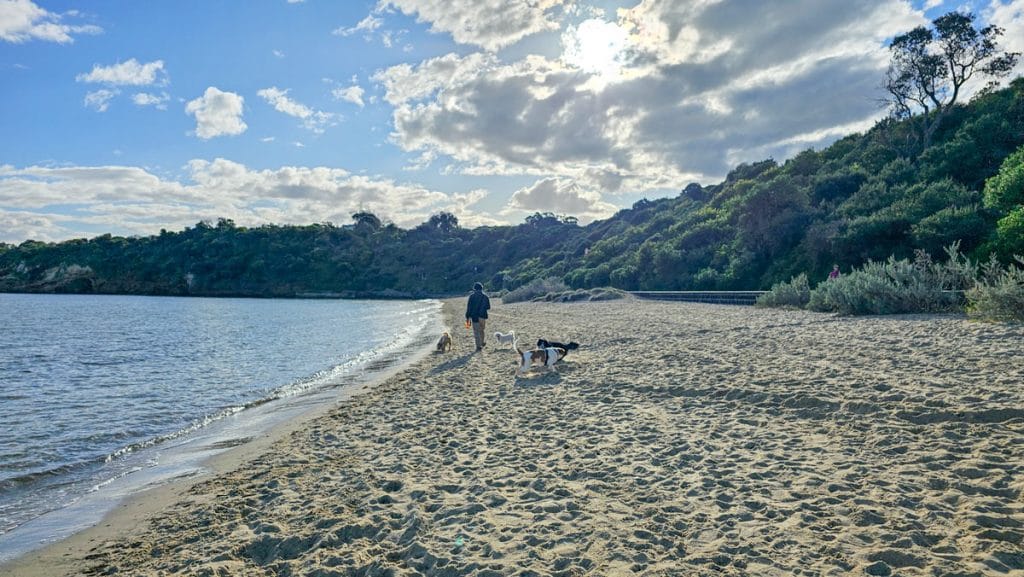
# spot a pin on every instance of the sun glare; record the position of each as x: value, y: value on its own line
x: 596, y: 47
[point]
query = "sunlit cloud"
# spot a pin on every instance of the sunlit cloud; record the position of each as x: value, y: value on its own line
x: 353, y: 94
x: 23, y: 20
x: 130, y: 200
x: 1009, y: 15
x: 128, y: 73
x: 313, y: 120
x: 158, y: 101
x: 490, y: 24
x: 561, y: 196
x: 366, y: 26
x: 217, y: 113
x: 100, y: 99
x: 697, y: 86
x: 596, y: 47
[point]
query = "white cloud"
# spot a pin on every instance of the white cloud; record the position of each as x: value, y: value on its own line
x: 129, y: 73
x: 405, y: 83
x: 296, y: 1
x: 490, y: 24
x: 100, y: 99
x: 353, y: 94
x: 217, y: 113
x: 279, y: 100
x: 131, y: 200
x: 595, y: 46
x: 561, y: 196
x: 461, y: 206
x: 313, y: 120
x: 366, y: 25
x: 36, y: 187
x: 1009, y: 15
x: 158, y: 101
x: 278, y: 53
x: 22, y: 21
x: 18, y: 226
x: 699, y: 86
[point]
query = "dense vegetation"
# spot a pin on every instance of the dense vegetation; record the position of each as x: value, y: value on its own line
x: 990, y: 291
x: 867, y: 197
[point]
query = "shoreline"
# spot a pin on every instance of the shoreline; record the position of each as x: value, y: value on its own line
x: 679, y: 438
x: 206, y: 452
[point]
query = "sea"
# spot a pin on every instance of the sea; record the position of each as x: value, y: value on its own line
x: 102, y: 397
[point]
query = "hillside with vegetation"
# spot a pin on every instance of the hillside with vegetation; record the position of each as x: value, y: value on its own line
x: 865, y: 198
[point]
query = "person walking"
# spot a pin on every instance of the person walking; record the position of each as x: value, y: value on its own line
x: 476, y: 311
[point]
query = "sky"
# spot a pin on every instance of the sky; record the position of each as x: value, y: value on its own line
x: 128, y: 117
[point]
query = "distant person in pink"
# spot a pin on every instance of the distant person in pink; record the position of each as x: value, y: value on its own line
x: 835, y: 272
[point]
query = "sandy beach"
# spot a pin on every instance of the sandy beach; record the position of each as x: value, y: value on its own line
x: 680, y: 439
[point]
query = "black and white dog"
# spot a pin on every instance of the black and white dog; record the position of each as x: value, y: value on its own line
x: 542, y: 357
x: 546, y: 344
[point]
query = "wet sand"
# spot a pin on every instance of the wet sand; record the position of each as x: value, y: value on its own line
x: 680, y: 439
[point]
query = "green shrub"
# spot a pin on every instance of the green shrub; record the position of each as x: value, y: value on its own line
x: 569, y: 296
x: 1009, y: 237
x: 795, y: 293
x: 533, y: 289
x: 898, y: 286
x: 607, y: 294
x: 1005, y: 190
x: 564, y: 296
x: 859, y: 292
x: 999, y: 295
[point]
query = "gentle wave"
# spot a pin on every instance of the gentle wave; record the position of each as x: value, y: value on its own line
x: 320, y: 379
x: 20, y: 481
x: 107, y: 373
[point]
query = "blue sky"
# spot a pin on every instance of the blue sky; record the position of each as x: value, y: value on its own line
x: 128, y: 117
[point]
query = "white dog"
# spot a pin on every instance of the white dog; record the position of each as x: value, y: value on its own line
x: 508, y: 338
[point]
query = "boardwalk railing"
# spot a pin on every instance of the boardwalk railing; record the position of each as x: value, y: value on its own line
x: 714, y: 297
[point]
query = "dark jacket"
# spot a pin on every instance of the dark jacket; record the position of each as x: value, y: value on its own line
x: 477, y: 306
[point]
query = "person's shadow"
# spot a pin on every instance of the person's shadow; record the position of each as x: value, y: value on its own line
x: 451, y: 364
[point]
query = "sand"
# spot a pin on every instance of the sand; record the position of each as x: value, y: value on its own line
x: 680, y: 439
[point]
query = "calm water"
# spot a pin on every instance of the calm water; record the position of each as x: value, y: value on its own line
x: 95, y: 389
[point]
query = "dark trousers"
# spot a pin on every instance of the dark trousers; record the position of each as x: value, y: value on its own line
x: 478, y: 332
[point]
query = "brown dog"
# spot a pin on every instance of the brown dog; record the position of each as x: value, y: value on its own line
x: 444, y: 343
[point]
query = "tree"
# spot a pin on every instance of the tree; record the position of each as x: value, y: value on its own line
x: 695, y: 192
x: 368, y: 219
x: 930, y: 67
x: 1005, y: 190
x: 445, y: 222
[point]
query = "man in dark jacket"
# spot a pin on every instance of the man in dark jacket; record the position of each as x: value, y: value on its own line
x: 476, y: 311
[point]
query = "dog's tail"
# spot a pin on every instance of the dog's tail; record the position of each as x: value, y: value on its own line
x: 572, y: 346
